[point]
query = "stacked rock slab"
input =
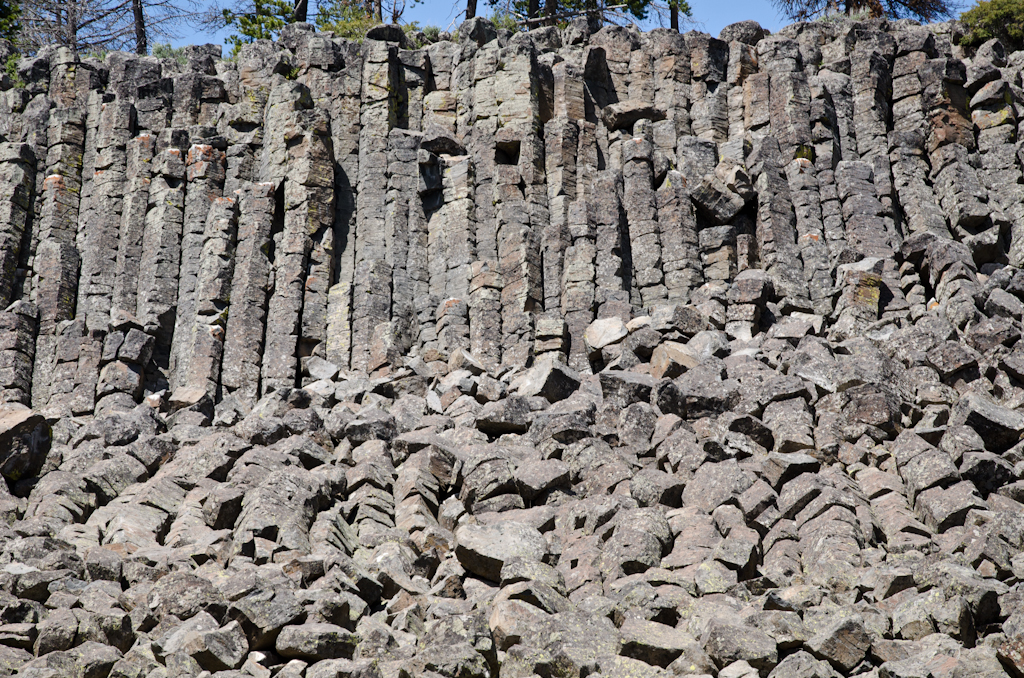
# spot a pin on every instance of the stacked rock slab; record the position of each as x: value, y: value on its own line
x: 554, y: 353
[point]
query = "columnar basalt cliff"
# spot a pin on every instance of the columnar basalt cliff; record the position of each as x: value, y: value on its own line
x: 549, y: 354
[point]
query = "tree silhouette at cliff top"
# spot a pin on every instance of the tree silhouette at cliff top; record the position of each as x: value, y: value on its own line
x: 9, y: 24
x: 553, y: 11
x: 99, y: 25
x: 253, y: 20
x: 923, y: 10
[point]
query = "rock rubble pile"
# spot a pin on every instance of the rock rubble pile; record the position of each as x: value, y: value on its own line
x: 558, y: 354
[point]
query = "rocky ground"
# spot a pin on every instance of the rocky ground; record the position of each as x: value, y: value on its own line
x: 561, y: 355
x: 791, y: 506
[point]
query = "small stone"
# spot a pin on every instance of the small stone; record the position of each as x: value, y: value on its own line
x: 484, y: 549
x: 313, y: 642
x: 604, y: 332
x: 844, y: 644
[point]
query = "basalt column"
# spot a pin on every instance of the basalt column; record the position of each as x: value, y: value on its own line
x: 139, y: 166
x: 250, y: 285
x: 344, y: 102
x: 17, y: 183
x: 204, y: 176
x: 102, y: 208
x: 298, y: 154
x: 161, y: 257
x: 57, y: 258
x: 371, y: 296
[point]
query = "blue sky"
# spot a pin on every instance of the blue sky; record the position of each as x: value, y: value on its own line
x: 710, y: 15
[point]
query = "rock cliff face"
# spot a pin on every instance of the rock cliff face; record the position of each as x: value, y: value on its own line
x: 548, y: 354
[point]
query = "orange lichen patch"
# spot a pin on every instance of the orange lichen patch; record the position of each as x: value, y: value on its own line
x: 53, y: 182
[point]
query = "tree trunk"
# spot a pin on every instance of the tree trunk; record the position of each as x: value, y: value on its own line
x: 378, y: 13
x: 301, y: 9
x: 594, y: 18
x: 673, y: 16
x: 550, y: 10
x: 141, y: 46
x: 532, y: 10
x: 470, y: 9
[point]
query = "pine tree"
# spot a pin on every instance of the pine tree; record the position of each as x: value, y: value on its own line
x: 10, y: 25
x: 603, y: 10
x: 99, y: 25
x: 923, y: 10
x: 262, y: 20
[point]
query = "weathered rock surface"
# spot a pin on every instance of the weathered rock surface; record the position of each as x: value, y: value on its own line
x: 555, y: 354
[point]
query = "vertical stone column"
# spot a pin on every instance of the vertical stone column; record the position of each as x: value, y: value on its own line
x: 371, y: 292
x: 427, y: 199
x: 478, y: 128
x: 250, y: 287
x: 485, y: 313
x: 531, y: 169
x: 104, y: 214
x: 826, y: 135
x: 613, y: 274
x: 824, y: 125
x: 439, y: 103
x: 377, y: 115
x: 561, y: 158
x: 99, y: 188
x: 345, y: 132
x: 308, y: 201
x: 68, y: 343
x: 908, y: 161
x: 521, y: 201
x: 56, y: 262
x: 790, y: 109
x: 865, y: 228
x: 641, y: 72
x: 204, y: 176
x: 18, y: 325
x: 963, y: 198
x: 371, y: 306
x: 519, y: 262
x: 913, y: 49
x: 313, y: 164
x: 640, y: 204
x: 451, y: 238
x: 415, y: 65
x: 804, y: 192
x: 834, y: 78
x: 776, y: 227
x: 17, y: 183
x: 995, y: 118
x: 718, y: 245
x: 71, y: 80
x: 709, y: 108
x: 743, y: 63
x: 36, y: 122
x: 757, y: 105
x: 871, y: 77
x: 212, y: 298
x: 403, y: 180
x: 617, y: 44
x: 871, y: 286
x: 678, y: 226
x: 561, y: 136
x: 139, y: 159
x: 671, y: 89
x: 452, y: 326
x: 577, y: 282
x: 161, y: 258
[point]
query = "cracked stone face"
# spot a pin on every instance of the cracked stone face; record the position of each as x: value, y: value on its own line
x: 549, y: 353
